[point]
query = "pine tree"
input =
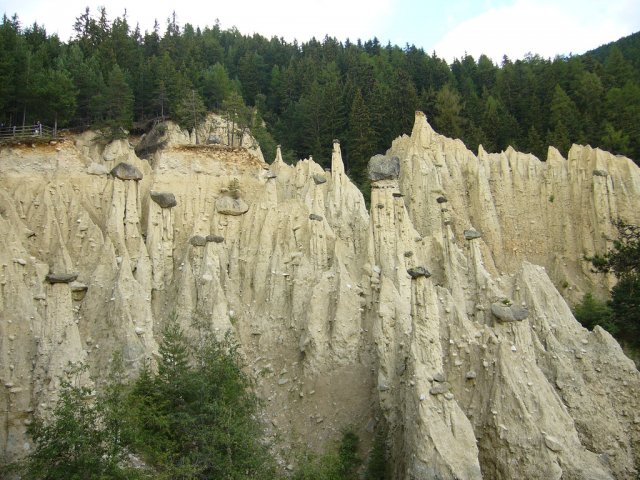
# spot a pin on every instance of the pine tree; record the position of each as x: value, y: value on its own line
x: 404, y: 104
x: 623, y: 260
x: 216, y: 86
x: 311, y: 110
x: 250, y: 73
x: 89, y: 86
x: 197, y: 418
x: 274, y: 98
x: 379, y: 107
x: 617, y: 70
x: 79, y: 440
x: 448, y: 119
x: 592, y: 311
x: 563, y: 110
x: 28, y: 72
x: 623, y: 115
x: 361, y: 144
x: 615, y: 140
x: 238, y: 118
x: 535, y: 143
x: 559, y: 138
x: 174, y: 353
x: 333, y: 109
x: 262, y: 134
x: 590, y: 101
x: 491, y: 125
x: 9, y: 37
x: 190, y: 111
x: 118, y: 108
x: 58, y: 97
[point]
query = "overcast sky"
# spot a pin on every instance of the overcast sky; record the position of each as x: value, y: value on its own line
x: 451, y: 27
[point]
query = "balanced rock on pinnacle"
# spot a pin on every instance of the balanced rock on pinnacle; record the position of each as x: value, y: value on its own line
x: 384, y: 168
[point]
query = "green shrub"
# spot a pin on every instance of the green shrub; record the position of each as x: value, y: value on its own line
x: 197, y: 418
x: 378, y: 465
x: 234, y: 188
x: 591, y: 312
x: 81, y: 440
x: 325, y: 467
x: 161, y: 129
x: 342, y: 465
x: 623, y: 261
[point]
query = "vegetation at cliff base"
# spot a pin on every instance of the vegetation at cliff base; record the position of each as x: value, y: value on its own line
x: 82, y: 440
x: 195, y: 417
x: 303, y: 95
x: 340, y: 465
x: 593, y: 311
x: 621, y: 314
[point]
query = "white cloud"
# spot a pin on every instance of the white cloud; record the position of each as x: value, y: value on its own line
x: 548, y: 28
x: 282, y: 18
x: 302, y: 20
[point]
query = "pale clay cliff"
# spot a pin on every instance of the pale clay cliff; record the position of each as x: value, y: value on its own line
x: 440, y: 314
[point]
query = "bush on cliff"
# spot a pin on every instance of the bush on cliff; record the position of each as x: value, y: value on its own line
x: 591, y: 312
x: 197, y: 418
x: 340, y: 465
x: 82, y: 440
x: 622, y: 315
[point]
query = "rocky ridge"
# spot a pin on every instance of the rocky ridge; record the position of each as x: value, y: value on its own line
x: 435, y: 314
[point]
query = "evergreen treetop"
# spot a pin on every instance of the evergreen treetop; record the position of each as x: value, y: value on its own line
x: 111, y: 75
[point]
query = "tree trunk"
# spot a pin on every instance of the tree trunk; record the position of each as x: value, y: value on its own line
x: 233, y: 127
x: 195, y: 120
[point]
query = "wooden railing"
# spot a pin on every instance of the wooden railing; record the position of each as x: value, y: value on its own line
x: 28, y: 131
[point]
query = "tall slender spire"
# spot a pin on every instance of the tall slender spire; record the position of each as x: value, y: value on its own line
x: 337, y: 166
x: 421, y: 128
x: 278, y: 155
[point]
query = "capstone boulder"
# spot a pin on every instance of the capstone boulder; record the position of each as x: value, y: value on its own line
x: 472, y: 234
x: 417, y: 272
x: 227, y: 205
x: 319, y: 179
x: 61, y: 277
x: 509, y: 313
x: 198, y: 241
x: 164, y: 199
x: 126, y: 171
x: 384, y: 168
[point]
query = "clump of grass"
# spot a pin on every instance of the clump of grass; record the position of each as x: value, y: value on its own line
x: 234, y: 188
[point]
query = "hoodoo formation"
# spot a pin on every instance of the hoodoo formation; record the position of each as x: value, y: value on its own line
x: 441, y: 313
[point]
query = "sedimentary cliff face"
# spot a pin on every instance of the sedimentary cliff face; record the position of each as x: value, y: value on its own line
x: 435, y: 314
x: 499, y: 379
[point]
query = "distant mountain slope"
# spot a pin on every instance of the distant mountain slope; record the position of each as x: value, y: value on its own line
x: 629, y: 47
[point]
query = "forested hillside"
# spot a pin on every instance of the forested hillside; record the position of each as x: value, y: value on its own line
x: 363, y: 93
